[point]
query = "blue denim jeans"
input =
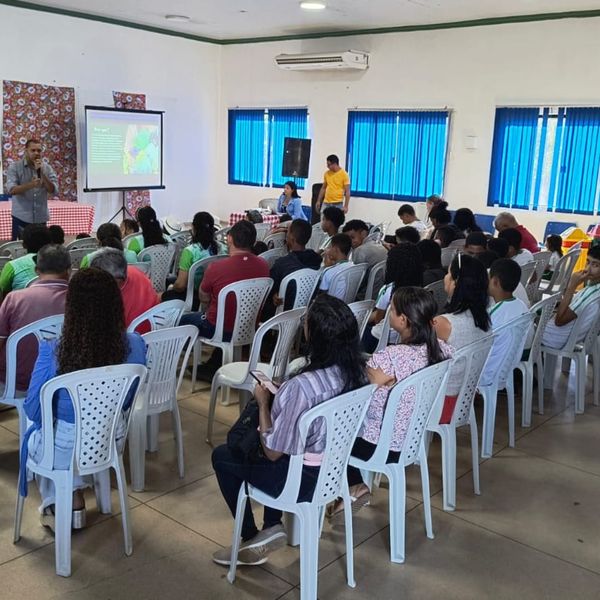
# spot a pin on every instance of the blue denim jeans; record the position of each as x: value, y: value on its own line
x: 205, y: 328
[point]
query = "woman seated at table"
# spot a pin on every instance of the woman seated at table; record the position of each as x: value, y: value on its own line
x: 93, y: 335
x: 152, y: 234
x: 203, y: 245
x: 335, y: 365
x: 289, y: 202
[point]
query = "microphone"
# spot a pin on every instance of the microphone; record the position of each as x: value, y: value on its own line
x: 39, y: 173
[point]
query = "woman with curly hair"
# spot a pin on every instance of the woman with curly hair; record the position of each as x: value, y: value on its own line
x: 93, y: 335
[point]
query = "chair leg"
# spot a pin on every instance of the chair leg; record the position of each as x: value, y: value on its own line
x: 124, y: 501
x: 489, y: 419
x: 397, y: 509
x: 540, y: 378
x: 309, y: 555
x: 549, y: 370
x: 448, y: 437
x: 214, y: 390
x: 527, y: 372
x: 196, y: 354
x: 178, y: 437
x: 228, y: 357
x: 237, y: 533
x: 137, y: 451
x: 349, y: 543
x: 425, y: 491
x: 102, y: 491
x: 18, y: 513
x: 153, y: 425
x: 474, y: 452
x: 63, y: 510
x: 596, y: 374
x: 510, y: 393
x: 580, y: 376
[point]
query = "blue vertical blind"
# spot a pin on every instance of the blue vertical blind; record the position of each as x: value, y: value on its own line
x: 397, y: 154
x: 256, y: 142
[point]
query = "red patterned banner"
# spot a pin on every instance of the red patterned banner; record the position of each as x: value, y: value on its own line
x: 46, y: 113
x: 134, y: 199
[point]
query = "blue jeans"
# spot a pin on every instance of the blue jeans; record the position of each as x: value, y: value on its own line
x: 205, y: 328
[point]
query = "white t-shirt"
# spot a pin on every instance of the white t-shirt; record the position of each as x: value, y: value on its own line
x: 554, y: 258
x: 523, y: 257
x: 420, y: 227
x: 328, y: 275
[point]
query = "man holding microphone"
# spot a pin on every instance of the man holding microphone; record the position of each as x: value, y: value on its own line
x: 29, y: 181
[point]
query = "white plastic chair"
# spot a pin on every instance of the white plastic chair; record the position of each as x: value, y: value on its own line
x: 526, y: 272
x: 158, y: 394
x: 77, y: 255
x: 316, y: 239
x: 543, y: 312
x: 306, y: 281
x: 343, y: 417
x: 469, y: 361
x: 375, y: 280
x: 348, y: 280
x: 262, y: 231
x: 541, y: 260
x: 448, y: 255
x: 386, y: 332
x: 32, y: 281
x: 90, y: 243
x: 270, y: 203
x: 191, y: 290
x: 579, y: 345
x: 429, y: 385
x: 458, y: 244
x: 161, y: 259
x: 560, y: 276
x: 221, y: 235
x: 362, y: 311
x: 13, y: 249
x: 98, y: 396
x: 48, y: 328
x: 161, y: 316
x: 516, y: 333
x: 276, y: 240
x: 250, y: 296
x: 439, y: 294
x: 272, y: 255
x: 236, y: 375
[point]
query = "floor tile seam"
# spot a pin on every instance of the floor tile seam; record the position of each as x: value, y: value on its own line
x: 14, y: 558
x: 9, y: 430
x: 167, y: 492
x: 198, y: 413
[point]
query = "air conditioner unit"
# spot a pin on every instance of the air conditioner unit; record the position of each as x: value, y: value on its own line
x: 347, y: 59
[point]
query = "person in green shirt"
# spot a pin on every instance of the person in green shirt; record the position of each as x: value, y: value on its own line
x: 203, y: 245
x: 151, y: 235
x: 18, y: 272
x: 108, y: 235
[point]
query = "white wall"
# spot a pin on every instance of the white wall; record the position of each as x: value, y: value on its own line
x: 178, y: 76
x: 470, y: 71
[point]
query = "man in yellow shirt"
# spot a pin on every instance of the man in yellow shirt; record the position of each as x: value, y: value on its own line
x: 336, y: 186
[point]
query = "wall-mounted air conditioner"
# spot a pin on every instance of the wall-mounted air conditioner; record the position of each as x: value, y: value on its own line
x: 347, y: 59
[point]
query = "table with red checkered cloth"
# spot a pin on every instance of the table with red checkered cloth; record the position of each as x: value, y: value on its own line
x: 234, y: 217
x: 73, y: 217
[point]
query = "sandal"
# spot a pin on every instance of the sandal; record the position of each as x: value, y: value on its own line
x: 336, y: 508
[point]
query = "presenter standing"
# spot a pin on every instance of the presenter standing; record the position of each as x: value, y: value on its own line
x: 29, y: 181
x: 336, y: 186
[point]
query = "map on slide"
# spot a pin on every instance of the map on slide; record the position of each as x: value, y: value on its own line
x: 141, y: 154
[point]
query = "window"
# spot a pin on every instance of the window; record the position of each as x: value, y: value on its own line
x: 546, y: 159
x: 399, y: 155
x: 256, y: 138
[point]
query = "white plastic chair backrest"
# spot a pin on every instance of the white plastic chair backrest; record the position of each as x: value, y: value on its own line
x: 32, y: 281
x: 591, y: 337
x: 386, y: 329
x: 249, y: 296
x: 543, y: 311
x: 48, y: 328
x: 165, y: 348
x: 161, y: 316
x: 362, y: 311
x: 516, y: 331
x: 98, y: 396
x: 191, y: 290
x: 343, y: 416
x: 468, y: 360
x: 562, y: 272
x: 286, y: 324
x: 221, y: 235
x: 439, y: 294
x: 268, y: 203
x: 262, y: 231
x: 349, y: 280
x: 316, y: 239
x: 458, y: 244
x: 161, y: 259
x: 276, y: 240
x: 374, y: 236
x: 89, y: 242
x: 77, y: 256
x: 13, y: 249
x: 182, y: 238
x: 429, y: 386
x: 526, y: 272
x: 375, y: 280
x: 541, y: 260
x: 272, y: 255
x: 144, y: 267
x: 306, y: 281
x: 448, y: 255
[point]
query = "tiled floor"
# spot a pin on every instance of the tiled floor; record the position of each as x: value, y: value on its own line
x: 533, y: 533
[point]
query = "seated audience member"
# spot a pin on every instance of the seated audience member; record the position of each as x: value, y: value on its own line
x: 466, y: 318
x: 505, y: 275
x: 258, y: 248
x: 412, y: 313
x: 369, y: 252
x: 128, y: 227
x: 204, y: 245
x: 521, y: 256
x: 447, y: 234
x: 44, y: 298
x: 335, y: 260
x: 334, y: 365
x: 464, y: 219
x: 93, y: 335
x: 431, y: 253
x: 57, y: 234
x: 554, y: 245
x: 498, y: 248
x: 82, y: 236
x: 289, y: 202
x: 505, y: 220
x: 332, y: 218
x: 407, y: 215
x: 240, y: 265
x: 108, y: 236
x: 137, y: 292
x: 432, y: 202
x: 298, y: 257
x: 407, y: 234
x: 18, y: 272
x: 574, y: 303
x: 152, y: 233
x: 476, y: 243
x: 404, y: 268
x: 444, y: 231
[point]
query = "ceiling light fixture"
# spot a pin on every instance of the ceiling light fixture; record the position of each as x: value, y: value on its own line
x: 177, y: 18
x: 312, y: 5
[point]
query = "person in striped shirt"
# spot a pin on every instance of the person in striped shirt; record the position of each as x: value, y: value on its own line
x: 573, y: 303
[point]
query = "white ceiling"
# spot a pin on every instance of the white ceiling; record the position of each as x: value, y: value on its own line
x: 234, y: 19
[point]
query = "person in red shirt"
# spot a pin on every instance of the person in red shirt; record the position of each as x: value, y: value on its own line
x: 506, y: 220
x: 136, y: 288
x: 241, y: 264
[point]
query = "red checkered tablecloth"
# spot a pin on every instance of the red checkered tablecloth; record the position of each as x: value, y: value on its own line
x: 234, y: 217
x: 73, y: 217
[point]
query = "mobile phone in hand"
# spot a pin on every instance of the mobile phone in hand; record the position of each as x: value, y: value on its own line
x: 264, y: 380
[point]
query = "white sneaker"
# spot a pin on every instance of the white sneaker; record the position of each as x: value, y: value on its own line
x: 255, y: 551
